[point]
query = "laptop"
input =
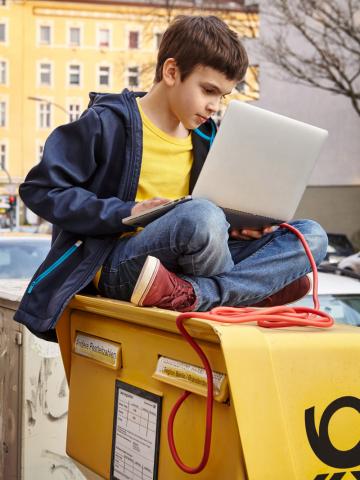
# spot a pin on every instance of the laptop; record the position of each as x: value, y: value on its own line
x: 257, y: 168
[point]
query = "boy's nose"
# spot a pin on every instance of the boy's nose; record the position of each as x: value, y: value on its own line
x: 212, y: 107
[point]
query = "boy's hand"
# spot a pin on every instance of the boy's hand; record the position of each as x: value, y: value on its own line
x: 146, y: 204
x: 249, y: 233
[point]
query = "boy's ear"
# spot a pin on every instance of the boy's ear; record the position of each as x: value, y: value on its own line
x: 170, y: 72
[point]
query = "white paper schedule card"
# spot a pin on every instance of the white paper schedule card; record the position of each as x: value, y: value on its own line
x: 136, y: 433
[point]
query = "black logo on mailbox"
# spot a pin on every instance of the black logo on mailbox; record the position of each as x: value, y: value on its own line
x: 321, y: 443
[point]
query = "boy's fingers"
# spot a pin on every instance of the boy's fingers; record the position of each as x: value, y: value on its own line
x: 235, y: 234
x: 271, y: 229
x: 249, y: 233
x: 252, y: 233
x: 147, y: 204
x: 244, y: 234
x: 153, y: 202
x: 158, y: 200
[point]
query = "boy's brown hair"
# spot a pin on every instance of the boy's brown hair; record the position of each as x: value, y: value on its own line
x: 202, y: 40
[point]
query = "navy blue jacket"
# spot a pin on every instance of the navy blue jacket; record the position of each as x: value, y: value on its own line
x: 85, y: 185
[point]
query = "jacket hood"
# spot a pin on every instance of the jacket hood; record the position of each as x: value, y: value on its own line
x: 119, y: 103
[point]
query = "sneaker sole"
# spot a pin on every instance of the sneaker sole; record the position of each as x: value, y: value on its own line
x: 145, y: 280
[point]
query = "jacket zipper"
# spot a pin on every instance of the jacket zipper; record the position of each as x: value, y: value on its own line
x: 206, y: 137
x: 132, y: 162
x: 54, y: 265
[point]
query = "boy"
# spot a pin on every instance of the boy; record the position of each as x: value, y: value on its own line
x: 129, y: 152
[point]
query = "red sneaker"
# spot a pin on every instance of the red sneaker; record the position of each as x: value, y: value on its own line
x: 157, y: 287
x: 289, y: 294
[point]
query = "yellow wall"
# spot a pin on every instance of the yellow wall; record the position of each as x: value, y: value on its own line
x: 12, y: 92
x: 23, y: 52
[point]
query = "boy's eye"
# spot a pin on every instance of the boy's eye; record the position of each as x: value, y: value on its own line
x: 208, y: 91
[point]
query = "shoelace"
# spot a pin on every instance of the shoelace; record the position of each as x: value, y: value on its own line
x: 179, y: 297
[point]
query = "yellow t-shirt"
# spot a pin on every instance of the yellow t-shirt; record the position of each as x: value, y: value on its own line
x: 165, y: 167
x: 166, y: 163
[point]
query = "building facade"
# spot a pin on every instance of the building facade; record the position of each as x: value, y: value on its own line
x: 53, y: 53
x: 333, y: 195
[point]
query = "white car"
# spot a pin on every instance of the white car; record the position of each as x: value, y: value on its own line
x: 21, y: 254
x: 351, y: 263
x: 339, y: 296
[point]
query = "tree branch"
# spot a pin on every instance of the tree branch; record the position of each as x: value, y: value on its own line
x: 330, y: 39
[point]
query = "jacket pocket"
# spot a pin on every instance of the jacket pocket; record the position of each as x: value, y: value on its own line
x: 54, y: 265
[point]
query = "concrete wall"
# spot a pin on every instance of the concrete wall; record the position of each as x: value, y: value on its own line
x: 333, y: 197
x: 337, y: 209
x: 339, y: 161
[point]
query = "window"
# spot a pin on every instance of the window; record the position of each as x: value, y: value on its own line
x: 104, y: 76
x: 133, y: 39
x: 45, y: 74
x: 45, y: 34
x: 3, y: 72
x: 40, y: 152
x: 45, y: 115
x: 104, y: 37
x: 133, y: 76
x: 217, y: 117
x: 74, y: 112
x: 2, y: 114
x: 241, y: 86
x: 2, y: 32
x: 74, y: 36
x: 74, y: 75
x: 158, y: 37
x: 3, y: 156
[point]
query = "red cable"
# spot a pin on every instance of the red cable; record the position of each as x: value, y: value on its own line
x: 272, y: 317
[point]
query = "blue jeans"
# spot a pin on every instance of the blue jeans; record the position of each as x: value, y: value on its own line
x: 192, y: 240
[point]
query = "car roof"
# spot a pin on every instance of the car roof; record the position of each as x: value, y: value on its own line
x: 17, y: 236
x: 332, y: 284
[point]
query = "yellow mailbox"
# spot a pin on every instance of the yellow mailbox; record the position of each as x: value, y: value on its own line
x: 287, y: 401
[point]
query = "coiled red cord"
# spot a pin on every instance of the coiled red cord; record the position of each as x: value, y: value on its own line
x: 272, y: 317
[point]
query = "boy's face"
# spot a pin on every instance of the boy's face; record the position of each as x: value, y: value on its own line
x: 198, y: 97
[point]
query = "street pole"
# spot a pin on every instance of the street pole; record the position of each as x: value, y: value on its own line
x: 44, y: 100
x: 4, y: 169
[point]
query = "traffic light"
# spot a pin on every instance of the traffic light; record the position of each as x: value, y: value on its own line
x: 12, y: 201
